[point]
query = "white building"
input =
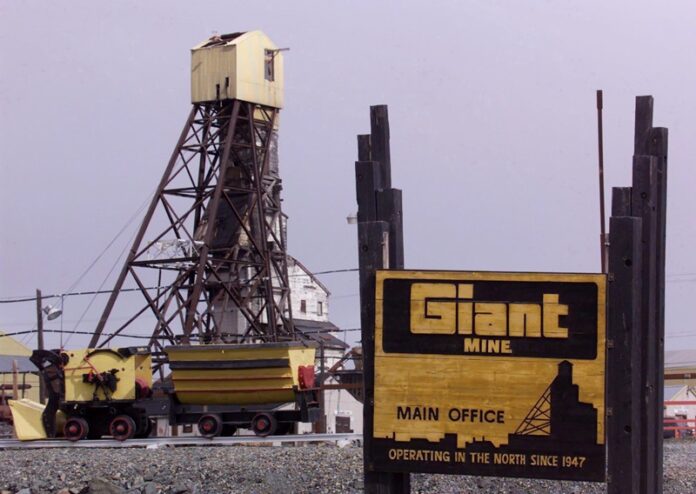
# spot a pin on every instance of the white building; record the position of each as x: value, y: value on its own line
x: 310, y: 311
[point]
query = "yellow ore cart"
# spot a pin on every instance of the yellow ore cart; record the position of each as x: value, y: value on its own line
x: 220, y: 388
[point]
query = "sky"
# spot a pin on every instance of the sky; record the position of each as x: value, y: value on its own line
x: 493, y: 133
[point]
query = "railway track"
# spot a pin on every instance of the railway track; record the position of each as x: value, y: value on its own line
x: 177, y: 441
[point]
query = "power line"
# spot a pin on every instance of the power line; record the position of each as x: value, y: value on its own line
x: 18, y: 333
x: 12, y: 300
x: 31, y: 331
x: 70, y: 294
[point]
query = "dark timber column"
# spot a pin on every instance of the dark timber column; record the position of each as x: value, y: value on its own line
x: 623, y: 423
x: 649, y: 203
x: 380, y: 246
x: 636, y: 315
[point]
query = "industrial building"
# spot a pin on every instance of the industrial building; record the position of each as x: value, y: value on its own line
x: 14, y: 357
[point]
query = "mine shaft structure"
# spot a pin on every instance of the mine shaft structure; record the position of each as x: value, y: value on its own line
x: 209, y: 260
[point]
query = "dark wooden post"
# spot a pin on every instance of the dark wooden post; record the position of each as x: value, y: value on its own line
x: 380, y: 245
x: 644, y: 207
x: 379, y: 142
x: 623, y: 333
x: 649, y: 203
x: 40, y: 339
x: 644, y: 192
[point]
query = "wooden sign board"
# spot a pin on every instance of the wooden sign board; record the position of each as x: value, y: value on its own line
x: 497, y: 374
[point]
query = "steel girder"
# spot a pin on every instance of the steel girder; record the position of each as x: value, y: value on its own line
x: 213, y: 239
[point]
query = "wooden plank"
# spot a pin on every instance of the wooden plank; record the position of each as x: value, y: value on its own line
x: 644, y: 197
x: 621, y: 201
x: 364, y: 148
x: 644, y: 119
x: 375, y: 251
x: 367, y: 181
x: 623, y: 357
x: 657, y: 146
x: 389, y: 209
x: 379, y: 130
x: 371, y: 250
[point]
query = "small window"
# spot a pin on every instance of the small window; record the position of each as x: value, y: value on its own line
x: 320, y: 308
x: 303, y: 306
x: 269, y: 65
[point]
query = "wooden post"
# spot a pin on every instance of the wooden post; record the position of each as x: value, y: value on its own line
x: 389, y: 210
x: 641, y: 356
x: 380, y: 245
x: 639, y: 214
x: 650, y: 203
x: 643, y: 197
x: 657, y: 146
x: 364, y: 147
x: 15, y: 388
x: 623, y: 333
x: 379, y: 142
x: 40, y: 339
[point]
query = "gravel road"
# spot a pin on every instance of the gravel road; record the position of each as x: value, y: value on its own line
x: 255, y: 469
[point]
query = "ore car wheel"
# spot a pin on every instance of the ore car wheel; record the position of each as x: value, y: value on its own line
x: 264, y: 424
x: 75, y: 428
x: 146, y: 427
x: 122, y: 427
x: 210, y: 425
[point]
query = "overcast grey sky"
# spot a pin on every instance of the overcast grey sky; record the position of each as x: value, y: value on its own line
x: 493, y: 125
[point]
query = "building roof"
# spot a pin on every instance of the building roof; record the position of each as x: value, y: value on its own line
x: 23, y: 364
x: 680, y: 358
x: 10, y: 346
x: 219, y: 40
x: 672, y: 390
x: 319, y: 331
x: 309, y: 273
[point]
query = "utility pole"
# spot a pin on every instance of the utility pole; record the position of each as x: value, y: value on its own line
x: 40, y: 337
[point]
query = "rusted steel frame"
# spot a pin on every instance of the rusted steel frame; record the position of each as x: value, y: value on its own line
x: 23, y: 387
x: 185, y: 163
x: 242, y: 303
x: 134, y: 317
x: 139, y: 236
x: 171, y: 227
x: 187, y: 192
x: 202, y: 167
x: 276, y: 311
x: 175, y: 219
x: 258, y: 172
x: 683, y: 375
x: 209, y: 163
x: 212, y: 212
x: 241, y: 221
x: 341, y: 386
x: 151, y: 303
x: 155, y: 262
x: 164, y: 307
x: 348, y: 356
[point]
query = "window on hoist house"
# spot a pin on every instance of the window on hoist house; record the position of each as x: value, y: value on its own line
x: 269, y: 69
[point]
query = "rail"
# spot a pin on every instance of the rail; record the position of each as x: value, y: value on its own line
x: 154, y: 442
x: 680, y: 426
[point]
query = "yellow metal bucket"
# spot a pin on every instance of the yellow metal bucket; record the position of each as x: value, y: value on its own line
x: 238, y: 374
x: 26, y: 415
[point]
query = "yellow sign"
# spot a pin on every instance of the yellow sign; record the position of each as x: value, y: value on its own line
x: 490, y: 373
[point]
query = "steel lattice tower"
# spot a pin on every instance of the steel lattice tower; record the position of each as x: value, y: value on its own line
x: 213, y: 239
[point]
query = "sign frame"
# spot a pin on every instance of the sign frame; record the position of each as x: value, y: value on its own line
x: 424, y: 422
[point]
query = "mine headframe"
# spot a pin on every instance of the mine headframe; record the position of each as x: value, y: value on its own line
x: 210, y: 259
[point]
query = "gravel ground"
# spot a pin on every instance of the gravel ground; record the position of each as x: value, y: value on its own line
x: 254, y: 469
